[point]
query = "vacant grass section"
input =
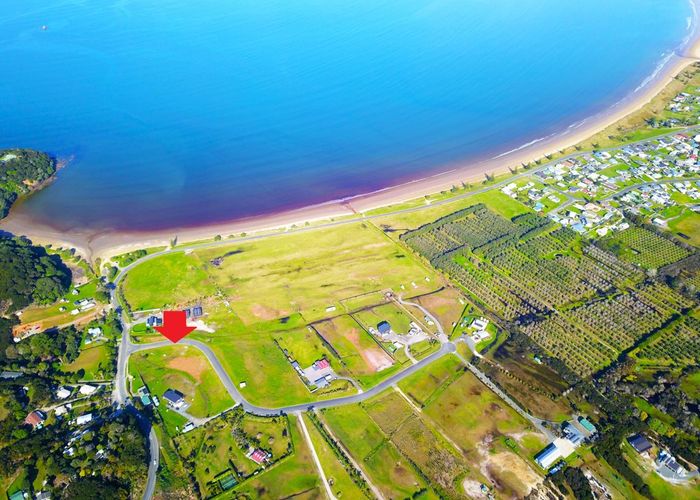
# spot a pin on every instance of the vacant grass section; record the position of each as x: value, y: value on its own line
x: 184, y: 369
x: 167, y: 281
x: 281, y: 275
x: 381, y: 461
x: 358, y: 351
x: 423, y: 385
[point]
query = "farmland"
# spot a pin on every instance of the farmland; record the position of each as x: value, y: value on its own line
x: 640, y: 246
x: 392, y: 473
x: 546, y: 279
x: 457, y: 411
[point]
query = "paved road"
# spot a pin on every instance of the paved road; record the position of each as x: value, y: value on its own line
x: 235, y: 394
x: 361, y: 217
x: 121, y: 396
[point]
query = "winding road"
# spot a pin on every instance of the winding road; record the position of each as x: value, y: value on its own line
x: 127, y: 347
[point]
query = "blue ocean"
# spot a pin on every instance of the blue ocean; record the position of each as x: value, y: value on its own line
x: 180, y: 113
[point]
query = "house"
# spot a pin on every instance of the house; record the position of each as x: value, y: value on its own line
x: 258, y: 456
x: 62, y: 410
x: 17, y: 495
x: 188, y: 427
x: 153, y: 321
x: 197, y: 311
x: 321, y: 364
x: 480, y: 324
x: 384, y: 327
x: 572, y: 433
x: 87, y: 389
x: 35, y: 419
x: 84, y: 419
x: 10, y: 375
x: 322, y: 382
x: 43, y: 495
x: 175, y: 399
x: 63, y: 393
x: 639, y: 443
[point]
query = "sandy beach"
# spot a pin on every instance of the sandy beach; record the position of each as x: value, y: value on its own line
x: 108, y: 243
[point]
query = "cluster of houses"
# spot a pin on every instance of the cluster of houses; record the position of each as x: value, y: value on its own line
x: 194, y: 312
x: 684, y: 103
x: 532, y: 193
x: 478, y: 329
x: 602, y: 173
x: 83, y: 305
x: 664, y: 461
x: 573, y: 434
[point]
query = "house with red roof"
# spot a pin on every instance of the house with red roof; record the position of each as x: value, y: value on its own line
x: 258, y: 456
x: 35, y: 419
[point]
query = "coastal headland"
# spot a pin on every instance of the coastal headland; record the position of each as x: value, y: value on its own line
x: 104, y: 244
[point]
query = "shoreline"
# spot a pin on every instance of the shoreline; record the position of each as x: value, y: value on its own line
x: 109, y: 243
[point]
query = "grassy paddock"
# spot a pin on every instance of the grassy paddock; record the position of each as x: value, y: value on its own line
x: 185, y: 369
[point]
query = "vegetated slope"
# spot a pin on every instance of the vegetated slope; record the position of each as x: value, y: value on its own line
x: 21, y: 171
x: 28, y: 274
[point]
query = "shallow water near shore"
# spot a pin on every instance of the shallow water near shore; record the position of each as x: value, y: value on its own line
x: 190, y: 113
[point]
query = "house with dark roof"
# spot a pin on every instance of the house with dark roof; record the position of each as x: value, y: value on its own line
x: 175, y: 399
x: 639, y: 443
x: 383, y: 327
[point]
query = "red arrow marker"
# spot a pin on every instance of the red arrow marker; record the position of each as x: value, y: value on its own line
x: 174, y: 326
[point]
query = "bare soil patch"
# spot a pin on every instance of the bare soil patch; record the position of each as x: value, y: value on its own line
x: 192, y: 366
x: 374, y: 357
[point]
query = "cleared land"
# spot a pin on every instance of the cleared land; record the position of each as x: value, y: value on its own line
x: 278, y: 276
x: 184, y: 369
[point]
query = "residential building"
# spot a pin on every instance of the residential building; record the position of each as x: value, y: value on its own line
x: 175, y: 399
x: 35, y: 419
x: 639, y: 443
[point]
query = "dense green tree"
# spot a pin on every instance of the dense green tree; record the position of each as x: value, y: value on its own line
x: 28, y: 274
x: 21, y: 171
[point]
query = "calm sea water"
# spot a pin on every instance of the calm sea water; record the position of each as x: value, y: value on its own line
x: 181, y: 113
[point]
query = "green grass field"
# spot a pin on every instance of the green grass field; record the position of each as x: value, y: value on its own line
x: 168, y: 280
x: 340, y: 481
x: 93, y: 360
x: 281, y: 275
x: 293, y: 477
x: 687, y: 227
x: 184, y: 369
x: 305, y: 347
x: 382, y: 462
